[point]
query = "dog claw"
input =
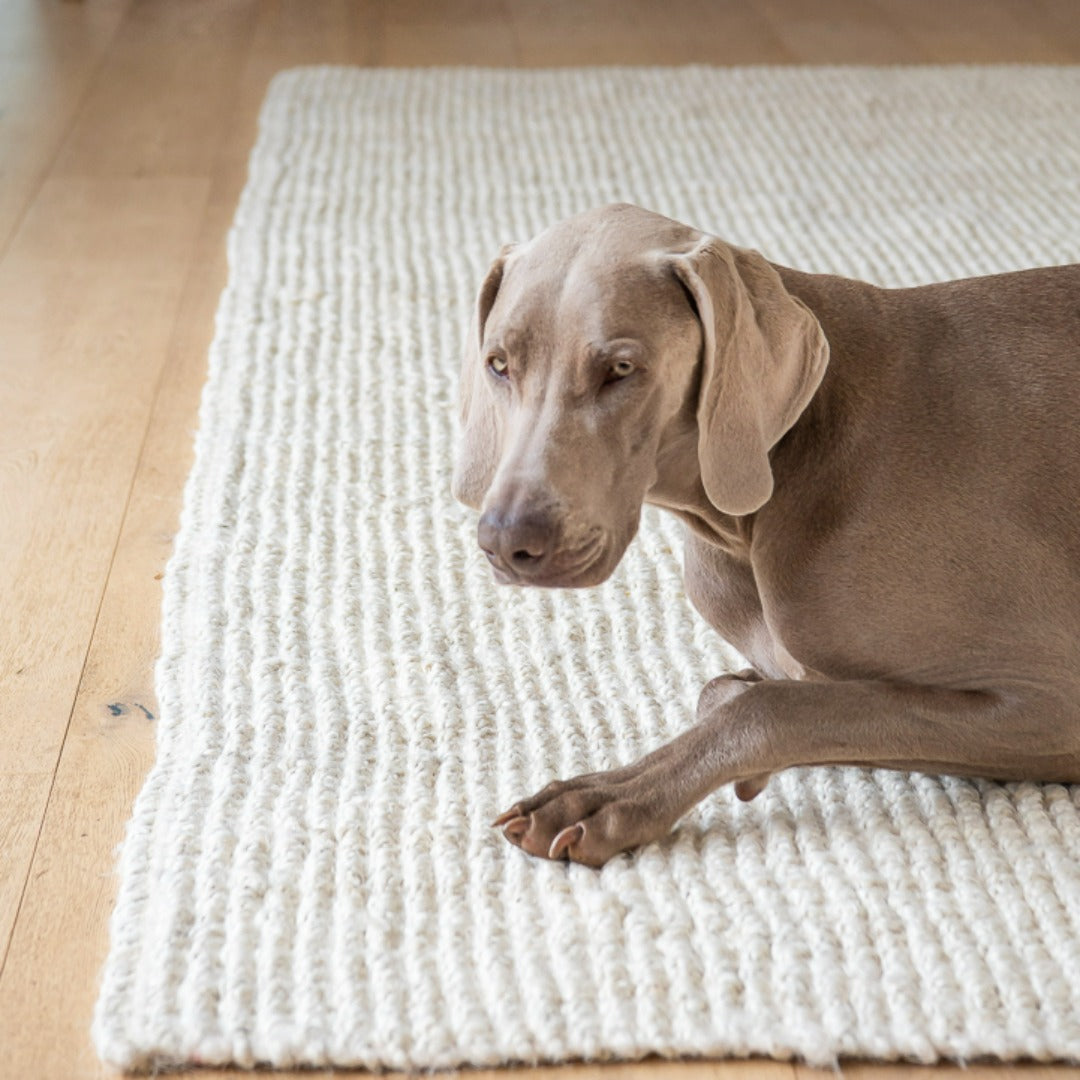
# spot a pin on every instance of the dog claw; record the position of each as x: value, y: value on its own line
x: 516, y: 828
x: 509, y: 815
x: 572, y: 834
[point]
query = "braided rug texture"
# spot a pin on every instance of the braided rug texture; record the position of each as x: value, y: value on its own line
x: 346, y: 700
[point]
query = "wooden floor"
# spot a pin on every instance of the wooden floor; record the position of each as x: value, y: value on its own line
x: 124, y: 131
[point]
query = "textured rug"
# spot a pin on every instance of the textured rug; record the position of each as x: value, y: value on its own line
x: 346, y: 699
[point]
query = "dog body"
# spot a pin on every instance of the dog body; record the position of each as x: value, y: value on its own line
x: 879, y: 491
x: 923, y: 526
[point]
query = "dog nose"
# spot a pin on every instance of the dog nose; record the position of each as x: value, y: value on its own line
x: 517, y: 541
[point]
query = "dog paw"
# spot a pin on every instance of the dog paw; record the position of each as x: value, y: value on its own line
x: 588, y: 819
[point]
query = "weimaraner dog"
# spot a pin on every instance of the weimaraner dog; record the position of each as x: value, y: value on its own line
x: 880, y: 490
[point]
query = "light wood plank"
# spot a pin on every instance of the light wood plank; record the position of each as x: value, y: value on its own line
x: 418, y: 33
x: 839, y: 32
x: 1060, y: 20
x: 975, y: 32
x: 553, y: 33
x: 48, y: 55
x: 88, y: 293
x: 160, y: 109
x: 50, y: 981
x: 705, y: 32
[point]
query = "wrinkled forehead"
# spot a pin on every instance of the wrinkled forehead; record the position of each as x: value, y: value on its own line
x: 566, y: 299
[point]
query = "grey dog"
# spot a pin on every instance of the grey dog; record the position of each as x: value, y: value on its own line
x: 879, y: 488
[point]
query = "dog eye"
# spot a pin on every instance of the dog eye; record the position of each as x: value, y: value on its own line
x: 499, y: 365
x: 619, y: 370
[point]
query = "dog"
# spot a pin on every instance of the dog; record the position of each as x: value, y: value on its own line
x: 880, y: 490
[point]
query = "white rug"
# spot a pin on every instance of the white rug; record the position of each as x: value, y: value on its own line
x: 346, y: 700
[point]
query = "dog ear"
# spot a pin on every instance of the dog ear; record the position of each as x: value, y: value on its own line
x: 481, y: 423
x: 763, y: 357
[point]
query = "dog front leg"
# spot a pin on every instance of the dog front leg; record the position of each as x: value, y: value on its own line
x: 590, y: 818
x: 749, y: 729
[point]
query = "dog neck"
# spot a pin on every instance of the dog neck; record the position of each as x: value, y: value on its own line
x: 678, y: 488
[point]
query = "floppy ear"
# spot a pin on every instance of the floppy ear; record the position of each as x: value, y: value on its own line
x: 481, y: 423
x: 764, y: 356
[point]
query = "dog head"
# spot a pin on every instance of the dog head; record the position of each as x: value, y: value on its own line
x: 617, y: 353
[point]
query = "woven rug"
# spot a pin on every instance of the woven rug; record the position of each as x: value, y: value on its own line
x: 346, y: 700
